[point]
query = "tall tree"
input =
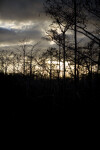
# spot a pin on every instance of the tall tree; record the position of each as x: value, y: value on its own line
x: 57, y: 11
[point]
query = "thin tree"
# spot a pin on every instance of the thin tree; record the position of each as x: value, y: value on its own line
x: 57, y: 11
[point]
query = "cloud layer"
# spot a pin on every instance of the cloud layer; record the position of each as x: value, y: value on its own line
x: 21, y: 9
x: 21, y: 19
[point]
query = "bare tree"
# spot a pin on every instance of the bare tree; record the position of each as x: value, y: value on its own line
x: 57, y: 11
x: 31, y: 56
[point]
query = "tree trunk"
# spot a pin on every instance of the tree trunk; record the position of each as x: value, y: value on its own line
x: 24, y: 61
x: 50, y: 65
x: 59, y: 61
x: 31, y: 64
x: 75, y: 37
x: 64, y: 69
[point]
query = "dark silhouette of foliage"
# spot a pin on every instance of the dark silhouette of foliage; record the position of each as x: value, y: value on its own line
x: 24, y: 96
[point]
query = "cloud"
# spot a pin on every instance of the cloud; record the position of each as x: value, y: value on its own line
x: 6, y: 35
x: 21, y: 19
x: 32, y: 32
x: 10, y: 36
x: 22, y: 10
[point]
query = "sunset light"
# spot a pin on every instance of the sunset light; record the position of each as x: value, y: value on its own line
x: 49, y: 61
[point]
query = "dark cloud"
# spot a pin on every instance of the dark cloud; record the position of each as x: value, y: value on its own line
x: 24, y: 11
x: 11, y: 36
x: 21, y: 9
x: 6, y: 35
x: 15, y: 17
x: 5, y: 31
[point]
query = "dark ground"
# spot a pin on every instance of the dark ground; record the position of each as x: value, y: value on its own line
x: 25, y: 98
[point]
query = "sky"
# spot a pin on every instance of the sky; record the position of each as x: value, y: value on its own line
x: 22, y: 19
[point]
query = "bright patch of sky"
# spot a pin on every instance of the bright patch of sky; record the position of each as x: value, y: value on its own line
x: 16, y: 25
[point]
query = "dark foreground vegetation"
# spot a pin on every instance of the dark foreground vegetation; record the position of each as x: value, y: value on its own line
x: 23, y: 97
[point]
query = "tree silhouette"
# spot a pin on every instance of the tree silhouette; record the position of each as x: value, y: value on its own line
x: 57, y: 11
